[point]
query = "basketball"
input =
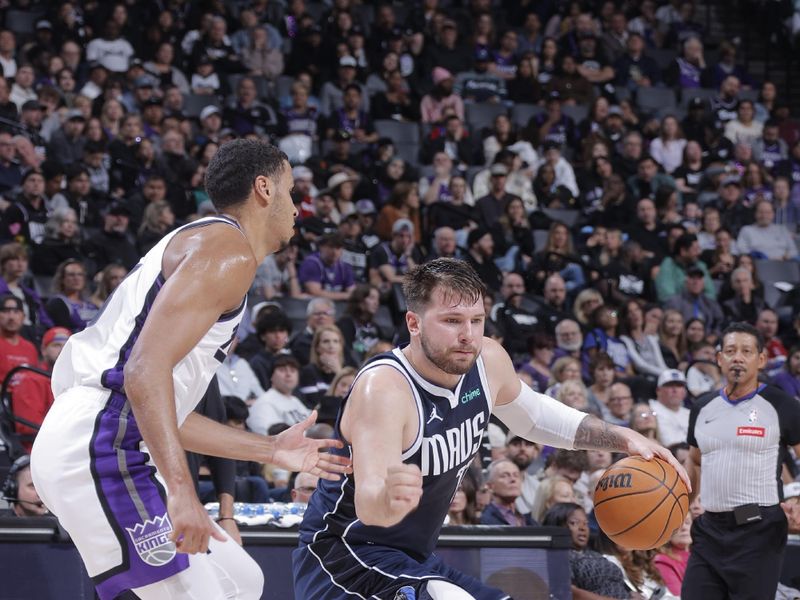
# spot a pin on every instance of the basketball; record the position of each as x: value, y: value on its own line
x: 640, y: 503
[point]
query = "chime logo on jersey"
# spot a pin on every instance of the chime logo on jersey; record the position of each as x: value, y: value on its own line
x: 151, y: 540
x: 470, y: 395
x: 448, y: 450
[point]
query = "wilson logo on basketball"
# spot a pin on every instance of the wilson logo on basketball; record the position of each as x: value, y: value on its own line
x: 623, y: 480
x: 751, y: 431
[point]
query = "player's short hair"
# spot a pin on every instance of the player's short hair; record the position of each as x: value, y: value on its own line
x: 235, y: 166
x: 457, y: 279
x: 742, y: 327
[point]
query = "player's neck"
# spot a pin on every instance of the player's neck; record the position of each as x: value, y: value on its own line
x: 259, y: 243
x: 427, y: 370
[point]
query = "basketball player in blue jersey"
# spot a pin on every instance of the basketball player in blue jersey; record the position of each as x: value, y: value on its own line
x: 110, y: 459
x: 412, y: 423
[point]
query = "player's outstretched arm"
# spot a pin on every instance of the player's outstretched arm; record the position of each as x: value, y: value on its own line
x: 290, y: 449
x: 379, y: 419
x: 542, y: 419
x: 189, y: 303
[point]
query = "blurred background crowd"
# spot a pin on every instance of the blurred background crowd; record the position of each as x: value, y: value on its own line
x: 621, y: 180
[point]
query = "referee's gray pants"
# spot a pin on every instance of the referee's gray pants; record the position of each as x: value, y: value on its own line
x: 737, y: 562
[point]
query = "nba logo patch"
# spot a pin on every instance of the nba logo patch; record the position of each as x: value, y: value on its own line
x: 753, y: 416
x: 151, y: 540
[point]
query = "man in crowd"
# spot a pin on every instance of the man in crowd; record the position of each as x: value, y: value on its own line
x: 514, y: 322
x: 32, y: 395
x: 324, y: 274
x: 305, y: 484
x: 19, y: 491
x: 273, y: 329
x: 672, y: 415
x: 505, y: 482
x: 319, y: 312
x: 14, y: 349
x: 693, y: 303
x: 523, y: 453
x: 278, y: 404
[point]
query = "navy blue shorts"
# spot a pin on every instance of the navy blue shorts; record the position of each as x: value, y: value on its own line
x: 329, y: 569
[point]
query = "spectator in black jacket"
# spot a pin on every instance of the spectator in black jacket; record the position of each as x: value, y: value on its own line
x: 113, y: 243
x: 505, y: 481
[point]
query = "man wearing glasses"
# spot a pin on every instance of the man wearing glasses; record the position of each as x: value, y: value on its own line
x: 14, y: 349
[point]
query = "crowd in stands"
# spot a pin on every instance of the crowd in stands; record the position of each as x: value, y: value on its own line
x: 622, y: 185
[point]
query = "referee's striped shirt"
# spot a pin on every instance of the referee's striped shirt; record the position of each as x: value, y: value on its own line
x: 740, y: 442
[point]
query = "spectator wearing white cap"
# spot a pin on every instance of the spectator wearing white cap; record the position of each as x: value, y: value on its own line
x: 210, y: 125
x: 332, y: 95
x: 672, y: 415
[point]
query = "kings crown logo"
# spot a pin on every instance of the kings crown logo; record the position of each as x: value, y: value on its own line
x: 151, y: 540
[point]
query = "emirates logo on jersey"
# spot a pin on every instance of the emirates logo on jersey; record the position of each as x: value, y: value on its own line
x: 751, y: 431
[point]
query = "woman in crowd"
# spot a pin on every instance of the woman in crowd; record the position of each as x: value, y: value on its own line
x: 62, y: 240
x: 641, y: 342
x: 604, y: 337
x: 667, y: 148
x: 548, y: 61
x: 111, y: 116
x: 563, y: 369
x: 549, y: 194
x: 106, y: 281
x: 557, y: 256
x: 325, y: 361
x: 162, y: 67
x: 711, y: 223
x: 574, y: 394
x: 641, y: 575
x: 357, y: 325
x: 689, y: 175
x: 757, y: 184
x: 13, y: 267
x: 789, y: 378
x: 672, y: 339
x: 68, y: 306
x: 396, y: 101
x: 601, y: 369
x: 540, y: 349
x: 403, y: 204
x: 513, y: 238
x: 525, y: 87
x: 673, y: 557
x: 695, y: 332
x: 644, y: 421
x: 551, y: 491
x: 586, y: 302
x: 463, y: 508
x: 590, y: 571
x: 158, y: 221
x: 328, y: 406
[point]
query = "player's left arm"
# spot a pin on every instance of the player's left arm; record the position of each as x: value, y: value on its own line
x: 539, y: 418
x: 289, y: 449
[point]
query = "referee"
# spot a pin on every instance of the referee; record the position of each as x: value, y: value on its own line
x: 736, y: 434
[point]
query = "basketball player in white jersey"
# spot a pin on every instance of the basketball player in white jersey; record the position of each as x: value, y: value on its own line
x: 110, y: 458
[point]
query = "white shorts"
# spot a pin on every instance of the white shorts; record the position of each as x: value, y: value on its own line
x: 89, y: 468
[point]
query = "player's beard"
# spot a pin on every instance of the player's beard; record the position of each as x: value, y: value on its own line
x: 441, y: 359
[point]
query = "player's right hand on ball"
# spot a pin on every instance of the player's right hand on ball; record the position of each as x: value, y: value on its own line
x: 403, y: 488
x: 191, y: 525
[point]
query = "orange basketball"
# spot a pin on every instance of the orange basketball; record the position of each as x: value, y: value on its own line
x: 640, y: 503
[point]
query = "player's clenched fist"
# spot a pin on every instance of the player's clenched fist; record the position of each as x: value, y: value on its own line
x: 403, y: 489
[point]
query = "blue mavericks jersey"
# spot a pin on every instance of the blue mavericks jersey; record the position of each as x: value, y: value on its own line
x: 451, y: 425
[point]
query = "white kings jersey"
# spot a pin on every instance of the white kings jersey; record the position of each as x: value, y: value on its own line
x: 96, y: 356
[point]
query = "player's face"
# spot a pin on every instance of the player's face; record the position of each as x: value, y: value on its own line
x: 739, y: 358
x: 451, y: 334
x: 283, y: 211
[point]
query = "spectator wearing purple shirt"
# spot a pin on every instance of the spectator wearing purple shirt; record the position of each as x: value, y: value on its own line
x: 324, y: 274
x: 789, y: 377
